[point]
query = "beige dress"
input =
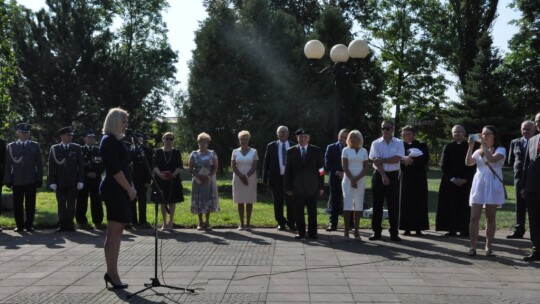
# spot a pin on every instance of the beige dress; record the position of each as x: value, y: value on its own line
x: 243, y: 194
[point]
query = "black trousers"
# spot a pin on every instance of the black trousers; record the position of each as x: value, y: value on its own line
x: 91, y: 188
x: 282, y: 200
x: 141, y: 199
x: 24, y: 197
x: 302, y: 201
x: 533, y: 203
x: 66, y: 197
x: 521, y: 208
x: 391, y: 194
x: 335, y: 201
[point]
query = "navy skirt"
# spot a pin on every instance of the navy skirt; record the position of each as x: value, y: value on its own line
x: 116, y: 201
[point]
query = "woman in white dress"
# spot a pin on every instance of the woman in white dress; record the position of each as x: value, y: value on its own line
x: 244, y: 164
x: 487, y: 189
x: 354, y: 159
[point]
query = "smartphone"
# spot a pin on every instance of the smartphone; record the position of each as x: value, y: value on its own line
x: 474, y: 137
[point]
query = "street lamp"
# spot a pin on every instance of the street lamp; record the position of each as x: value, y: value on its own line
x: 339, y: 54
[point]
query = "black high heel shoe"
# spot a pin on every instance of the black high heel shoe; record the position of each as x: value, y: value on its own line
x: 108, y: 279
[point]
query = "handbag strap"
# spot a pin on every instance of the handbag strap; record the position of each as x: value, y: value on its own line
x: 493, y: 171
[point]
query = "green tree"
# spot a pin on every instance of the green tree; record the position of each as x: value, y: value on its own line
x: 74, y: 67
x: 56, y: 51
x: 484, y: 102
x: 521, y: 69
x: 142, y: 63
x: 8, y: 69
x: 456, y: 29
x: 360, y: 95
x: 246, y: 73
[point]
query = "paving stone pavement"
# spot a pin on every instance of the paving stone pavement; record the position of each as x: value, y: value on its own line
x: 264, y: 266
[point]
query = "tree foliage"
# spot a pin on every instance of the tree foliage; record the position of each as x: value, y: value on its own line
x: 484, y: 103
x: 248, y: 72
x: 243, y: 74
x: 74, y: 66
x: 521, y: 70
x: 8, y: 69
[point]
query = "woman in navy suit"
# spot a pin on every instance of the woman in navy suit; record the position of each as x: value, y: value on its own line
x: 116, y: 189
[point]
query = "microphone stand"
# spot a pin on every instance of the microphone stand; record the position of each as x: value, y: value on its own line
x: 154, y: 282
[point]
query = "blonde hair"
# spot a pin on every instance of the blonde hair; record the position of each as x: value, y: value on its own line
x: 166, y: 134
x: 244, y: 132
x: 357, y: 134
x: 113, y: 122
x: 203, y: 135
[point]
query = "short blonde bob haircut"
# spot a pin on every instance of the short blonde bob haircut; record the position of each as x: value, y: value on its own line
x: 244, y: 132
x: 203, y: 135
x: 113, y: 122
x: 167, y: 134
x: 355, y: 134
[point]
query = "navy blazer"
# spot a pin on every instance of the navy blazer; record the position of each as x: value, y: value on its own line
x: 332, y: 161
x: 66, y: 168
x: 23, y: 166
x: 302, y: 176
x: 271, y: 173
x: 531, y: 166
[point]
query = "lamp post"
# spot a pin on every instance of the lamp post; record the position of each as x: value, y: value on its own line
x: 339, y: 54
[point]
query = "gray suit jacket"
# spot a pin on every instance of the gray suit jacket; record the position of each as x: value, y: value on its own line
x: 66, y: 168
x: 516, y: 155
x: 23, y: 166
x: 531, y: 167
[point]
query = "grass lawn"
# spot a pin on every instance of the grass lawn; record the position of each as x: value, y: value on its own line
x: 263, y: 214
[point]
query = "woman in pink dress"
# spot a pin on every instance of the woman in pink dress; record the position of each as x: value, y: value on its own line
x: 244, y: 164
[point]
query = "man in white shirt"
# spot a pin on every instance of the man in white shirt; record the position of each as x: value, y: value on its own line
x: 386, y: 153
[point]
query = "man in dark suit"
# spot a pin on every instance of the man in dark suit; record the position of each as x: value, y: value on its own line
x: 304, y: 182
x: 531, y: 190
x: 93, y: 168
x: 23, y: 171
x: 66, y: 177
x: 142, y: 157
x: 273, y: 176
x: 516, y: 155
x: 332, y: 161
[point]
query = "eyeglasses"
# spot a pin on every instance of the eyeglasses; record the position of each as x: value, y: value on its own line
x: 489, y: 133
x: 169, y: 138
x: 386, y: 128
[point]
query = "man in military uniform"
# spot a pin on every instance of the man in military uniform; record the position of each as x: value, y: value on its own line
x: 93, y: 168
x: 141, y: 177
x: 23, y: 171
x: 66, y: 177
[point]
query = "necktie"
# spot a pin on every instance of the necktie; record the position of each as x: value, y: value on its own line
x: 303, y: 153
x: 283, y: 154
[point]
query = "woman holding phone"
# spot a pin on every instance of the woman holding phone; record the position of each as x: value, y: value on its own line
x: 487, y: 189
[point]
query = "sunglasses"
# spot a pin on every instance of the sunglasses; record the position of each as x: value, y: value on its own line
x: 386, y: 128
x: 169, y: 138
